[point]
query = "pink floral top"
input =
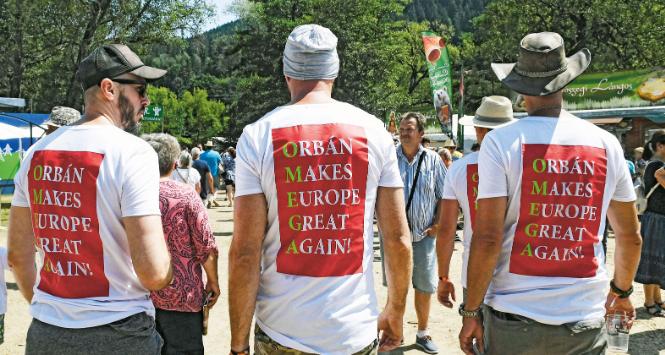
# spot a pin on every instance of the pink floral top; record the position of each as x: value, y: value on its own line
x: 190, y: 242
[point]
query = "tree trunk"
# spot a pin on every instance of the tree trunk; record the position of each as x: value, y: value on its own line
x: 17, y: 63
x: 98, y: 10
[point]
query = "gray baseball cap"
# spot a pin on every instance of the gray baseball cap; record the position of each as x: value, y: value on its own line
x: 110, y: 61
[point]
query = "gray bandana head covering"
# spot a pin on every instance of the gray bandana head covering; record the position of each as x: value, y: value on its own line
x: 311, y: 53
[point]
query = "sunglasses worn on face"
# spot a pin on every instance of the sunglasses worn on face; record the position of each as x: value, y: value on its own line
x: 141, y: 90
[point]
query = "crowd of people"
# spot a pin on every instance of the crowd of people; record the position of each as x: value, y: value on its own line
x: 126, y: 258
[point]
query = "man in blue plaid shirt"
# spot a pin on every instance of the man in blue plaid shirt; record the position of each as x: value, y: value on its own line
x: 422, y: 171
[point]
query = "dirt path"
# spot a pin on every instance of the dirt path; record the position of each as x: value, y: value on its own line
x: 647, y: 336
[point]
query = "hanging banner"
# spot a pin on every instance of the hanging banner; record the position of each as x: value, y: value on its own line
x: 438, y: 64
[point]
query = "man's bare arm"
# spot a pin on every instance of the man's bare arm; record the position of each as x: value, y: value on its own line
x: 148, y: 251
x: 623, y: 219
x: 445, y: 244
x: 21, y: 250
x: 391, y: 216
x: 211, y: 183
x: 485, y: 248
x: 445, y: 241
x: 249, y: 228
x: 391, y: 219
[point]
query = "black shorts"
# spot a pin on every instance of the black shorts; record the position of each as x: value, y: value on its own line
x: 229, y: 183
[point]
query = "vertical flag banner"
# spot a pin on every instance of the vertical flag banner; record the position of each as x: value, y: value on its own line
x: 438, y: 64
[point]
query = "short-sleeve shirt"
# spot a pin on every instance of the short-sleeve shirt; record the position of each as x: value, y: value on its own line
x: 79, y: 182
x: 203, y: 169
x: 462, y: 185
x: 189, y: 176
x: 428, y: 190
x: 229, y: 164
x: 656, y: 201
x: 212, y: 158
x: 190, y: 242
x: 319, y: 167
x: 559, y: 176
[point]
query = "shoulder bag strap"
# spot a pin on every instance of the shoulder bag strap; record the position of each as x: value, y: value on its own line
x: 413, y: 187
x: 186, y: 180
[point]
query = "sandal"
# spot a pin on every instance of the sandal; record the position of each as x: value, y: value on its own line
x: 655, y: 310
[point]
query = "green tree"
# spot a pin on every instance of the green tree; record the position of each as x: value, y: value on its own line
x: 621, y: 34
x: 192, y: 118
x: 377, y: 50
x: 48, y: 39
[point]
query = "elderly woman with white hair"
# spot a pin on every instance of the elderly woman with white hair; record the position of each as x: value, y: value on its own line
x: 185, y: 173
x: 179, y: 306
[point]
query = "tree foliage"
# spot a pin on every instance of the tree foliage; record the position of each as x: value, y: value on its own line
x: 45, y: 40
x: 621, y: 34
x: 192, y: 118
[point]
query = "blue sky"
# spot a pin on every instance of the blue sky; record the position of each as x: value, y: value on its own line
x: 221, y: 13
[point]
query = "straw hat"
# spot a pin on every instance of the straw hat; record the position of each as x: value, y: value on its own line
x: 494, y: 111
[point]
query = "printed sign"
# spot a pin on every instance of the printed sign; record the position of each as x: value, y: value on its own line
x: 621, y: 89
x: 63, y: 202
x: 153, y: 113
x: 321, y: 177
x: 472, y: 190
x: 438, y: 65
x: 560, y: 211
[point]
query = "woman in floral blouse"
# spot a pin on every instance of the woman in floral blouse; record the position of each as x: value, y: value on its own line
x: 179, y: 306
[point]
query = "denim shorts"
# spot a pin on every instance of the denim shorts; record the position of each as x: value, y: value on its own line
x: 424, y: 277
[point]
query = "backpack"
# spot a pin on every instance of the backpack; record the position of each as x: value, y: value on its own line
x: 642, y: 198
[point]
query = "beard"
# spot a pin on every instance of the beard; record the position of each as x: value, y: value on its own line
x: 127, y: 116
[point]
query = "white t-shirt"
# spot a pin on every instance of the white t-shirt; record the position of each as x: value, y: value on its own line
x: 187, y: 176
x: 4, y: 266
x: 559, y: 176
x: 79, y: 183
x: 319, y: 167
x: 461, y: 184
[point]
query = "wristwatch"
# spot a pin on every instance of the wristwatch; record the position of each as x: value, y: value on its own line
x: 244, y: 352
x: 468, y: 314
x: 619, y: 292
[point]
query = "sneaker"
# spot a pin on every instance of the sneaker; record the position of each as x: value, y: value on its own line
x: 209, y: 204
x: 214, y: 202
x: 426, y: 344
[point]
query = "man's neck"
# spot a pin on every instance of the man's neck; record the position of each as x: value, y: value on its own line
x: 99, y: 117
x: 546, y: 111
x: 311, y: 97
x: 410, y: 151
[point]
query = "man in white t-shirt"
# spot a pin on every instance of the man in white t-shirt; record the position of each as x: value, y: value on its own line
x: 460, y: 190
x: 309, y: 176
x: 87, y: 197
x: 547, y: 182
